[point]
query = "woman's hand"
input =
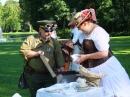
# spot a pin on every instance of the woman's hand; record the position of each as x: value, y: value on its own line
x: 82, y: 58
x: 96, y: 55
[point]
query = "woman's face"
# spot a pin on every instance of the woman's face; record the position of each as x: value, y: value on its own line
x: 80, y: 26
x: 55, y: 26
x: 84, y: 27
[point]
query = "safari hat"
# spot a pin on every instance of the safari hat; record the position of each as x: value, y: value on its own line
x: 46, y: 25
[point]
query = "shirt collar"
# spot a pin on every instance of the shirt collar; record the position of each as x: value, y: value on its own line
x: 39, y: 39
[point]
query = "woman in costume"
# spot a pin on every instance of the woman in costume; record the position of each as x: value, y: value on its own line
x: 97, y: 56
x: 75, y: 34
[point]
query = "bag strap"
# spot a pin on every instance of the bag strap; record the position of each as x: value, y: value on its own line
x: 47, y: 65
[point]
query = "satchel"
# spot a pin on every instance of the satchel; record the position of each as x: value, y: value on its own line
x: 22, y: 84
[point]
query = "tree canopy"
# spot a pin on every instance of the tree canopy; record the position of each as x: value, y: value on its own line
x: 113, y: 15
x: 10, y: 18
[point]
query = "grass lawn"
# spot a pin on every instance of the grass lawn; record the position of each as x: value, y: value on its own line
x: 11, y: 67
x: 121, y: 48
x: 12, y: 64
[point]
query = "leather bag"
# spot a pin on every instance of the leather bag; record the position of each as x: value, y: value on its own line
x: 67, y: 49
x: 22, y: 84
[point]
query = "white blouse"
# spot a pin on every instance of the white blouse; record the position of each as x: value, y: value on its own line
x: 99, y: 36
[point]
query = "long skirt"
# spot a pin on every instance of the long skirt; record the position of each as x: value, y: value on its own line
x: 116, y: 80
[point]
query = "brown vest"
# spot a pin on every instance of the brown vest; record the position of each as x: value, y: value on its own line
x: 89, y: 47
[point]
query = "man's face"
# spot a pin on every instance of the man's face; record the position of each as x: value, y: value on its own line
x: 44, y: 34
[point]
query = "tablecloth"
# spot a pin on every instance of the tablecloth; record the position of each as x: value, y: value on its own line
x: 92, y: 92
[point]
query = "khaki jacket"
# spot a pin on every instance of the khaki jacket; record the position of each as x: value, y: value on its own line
x: 51, y: 48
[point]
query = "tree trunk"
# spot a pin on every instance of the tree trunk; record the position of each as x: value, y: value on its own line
x: 30, y: 26
x: 63, y: 30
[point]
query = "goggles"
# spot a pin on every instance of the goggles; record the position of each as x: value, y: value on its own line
x: 47, y: 27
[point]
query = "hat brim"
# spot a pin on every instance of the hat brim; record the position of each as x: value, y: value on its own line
x: 44, y: 22
x: 82, y: 20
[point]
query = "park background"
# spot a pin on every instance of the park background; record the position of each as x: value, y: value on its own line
x: 112, y: 15
x: 18, y: 20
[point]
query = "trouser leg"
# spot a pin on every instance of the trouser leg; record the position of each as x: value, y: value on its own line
x: 33, y: 86
x: 37, y: 81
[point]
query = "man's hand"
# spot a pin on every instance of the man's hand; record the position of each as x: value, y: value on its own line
x: 62, y: 69
x: 39, y: 52
x: 34, y: 53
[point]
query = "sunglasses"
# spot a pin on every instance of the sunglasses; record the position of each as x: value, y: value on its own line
x: 47, y: 30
